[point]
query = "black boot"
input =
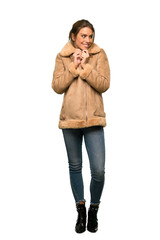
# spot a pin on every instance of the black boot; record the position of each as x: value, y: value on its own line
x: 92, y: 225
x: 81, y: 221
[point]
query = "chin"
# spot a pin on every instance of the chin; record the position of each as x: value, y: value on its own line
x: 84, y: 48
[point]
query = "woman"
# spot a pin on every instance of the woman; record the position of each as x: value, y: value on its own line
x: 82, y: 74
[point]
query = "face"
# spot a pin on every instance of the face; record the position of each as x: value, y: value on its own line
x: 84, y: 38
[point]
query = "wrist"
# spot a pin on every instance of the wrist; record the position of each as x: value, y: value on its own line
x: 82, y: 65
x: 73, y: 70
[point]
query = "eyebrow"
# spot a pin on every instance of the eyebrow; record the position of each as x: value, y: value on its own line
x: 86, y: 34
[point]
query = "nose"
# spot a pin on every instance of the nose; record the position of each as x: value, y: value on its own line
x: 87, y: 39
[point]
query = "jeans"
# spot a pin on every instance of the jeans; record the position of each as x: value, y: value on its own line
x: 95, y: 145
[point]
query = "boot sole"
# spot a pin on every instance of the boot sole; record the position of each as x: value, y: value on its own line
x: 92, y: 230
x: 80, y: 231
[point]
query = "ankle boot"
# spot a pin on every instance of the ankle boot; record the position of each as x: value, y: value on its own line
x: 92, y: 225
x: 81, y: 220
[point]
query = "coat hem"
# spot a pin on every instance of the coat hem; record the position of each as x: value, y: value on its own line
x: 82, y: 123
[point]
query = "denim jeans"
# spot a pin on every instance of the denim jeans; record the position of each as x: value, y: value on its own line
x: 95, y: 145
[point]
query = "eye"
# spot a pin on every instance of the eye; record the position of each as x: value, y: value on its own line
x: 91, y: 36
x: 83, y: 35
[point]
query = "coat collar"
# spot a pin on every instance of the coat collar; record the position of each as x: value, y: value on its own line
x: 69, y: 49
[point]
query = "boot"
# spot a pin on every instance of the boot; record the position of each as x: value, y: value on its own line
x: 81, y: 221
x: 92, y: 225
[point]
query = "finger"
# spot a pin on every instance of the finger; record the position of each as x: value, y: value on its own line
x: 78, y: 51
x: 85, y: 51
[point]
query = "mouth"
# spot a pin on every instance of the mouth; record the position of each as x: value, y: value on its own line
x: 86, y: 45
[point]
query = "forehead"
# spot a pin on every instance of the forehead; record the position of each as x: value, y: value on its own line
x: 86, y: 30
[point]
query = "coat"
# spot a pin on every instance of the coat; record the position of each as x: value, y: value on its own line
x: 82, y: 102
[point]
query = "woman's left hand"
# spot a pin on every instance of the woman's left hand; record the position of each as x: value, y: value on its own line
x: 84, y: 57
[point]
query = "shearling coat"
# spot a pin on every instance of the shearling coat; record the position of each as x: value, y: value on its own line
x: 82, y: 103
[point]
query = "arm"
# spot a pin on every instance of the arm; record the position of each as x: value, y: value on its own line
x: 98, y: 78
x: 62, y: 77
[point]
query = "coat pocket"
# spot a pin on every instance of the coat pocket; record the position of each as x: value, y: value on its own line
x: 62, y: 114
x: 99, y: 106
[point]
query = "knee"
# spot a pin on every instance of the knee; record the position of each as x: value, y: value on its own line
x: 75, y: 167
x: 98, y: 175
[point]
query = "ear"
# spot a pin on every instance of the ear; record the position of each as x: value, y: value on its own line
x: 73, y: 37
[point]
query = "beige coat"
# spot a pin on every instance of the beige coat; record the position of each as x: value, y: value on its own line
x: 82, y: 103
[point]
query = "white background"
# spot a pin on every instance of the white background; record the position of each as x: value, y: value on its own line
x: 35, y: 196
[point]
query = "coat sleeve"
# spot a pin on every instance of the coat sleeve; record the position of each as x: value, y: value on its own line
x: 62, y: 76
x: 98, y: 78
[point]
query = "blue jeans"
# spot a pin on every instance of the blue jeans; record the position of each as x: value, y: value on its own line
x: 95, y: 145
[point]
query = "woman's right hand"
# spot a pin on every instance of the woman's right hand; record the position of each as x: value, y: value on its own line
x: 84, y: 58
x: 77, y: 58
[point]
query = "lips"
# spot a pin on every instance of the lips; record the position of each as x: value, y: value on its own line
x: 86, y: 45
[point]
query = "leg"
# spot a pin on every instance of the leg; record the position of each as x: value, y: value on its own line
x: 95, y: 145
x: 73, y: 142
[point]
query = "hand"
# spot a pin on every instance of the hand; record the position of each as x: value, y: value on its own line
x: 77, y: 58
x: 84, y: 58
